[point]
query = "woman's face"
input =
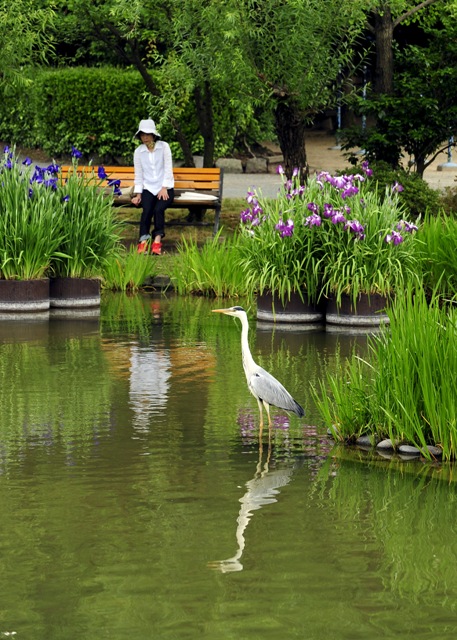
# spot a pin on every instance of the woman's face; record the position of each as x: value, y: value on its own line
x: 146, y: 137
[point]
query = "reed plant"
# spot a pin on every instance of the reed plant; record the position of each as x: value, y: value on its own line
x: 126, y: 270
x: 89, y: 229
x: 437, y: 251
x: 210, y: 270
x: 30, y: 230
x: 406, y: 389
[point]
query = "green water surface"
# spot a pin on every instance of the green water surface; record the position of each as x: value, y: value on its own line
x: 136, y: 500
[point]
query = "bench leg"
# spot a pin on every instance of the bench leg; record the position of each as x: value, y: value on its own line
x: 217, y: 214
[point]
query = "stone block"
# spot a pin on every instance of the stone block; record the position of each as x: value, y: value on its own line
x: 230, y: 165
x: 256, y: 165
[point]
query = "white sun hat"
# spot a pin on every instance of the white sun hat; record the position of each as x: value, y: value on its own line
x: 147, y: 126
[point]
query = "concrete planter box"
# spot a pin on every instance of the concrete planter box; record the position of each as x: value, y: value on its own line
x: 74, y: 292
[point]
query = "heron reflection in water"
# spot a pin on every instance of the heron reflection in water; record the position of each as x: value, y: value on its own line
x: 264, y: 387
x: 262, y: 490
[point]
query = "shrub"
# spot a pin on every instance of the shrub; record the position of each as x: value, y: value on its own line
x: 417, y: 197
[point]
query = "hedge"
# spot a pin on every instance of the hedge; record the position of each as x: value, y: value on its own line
x: 95, y: 109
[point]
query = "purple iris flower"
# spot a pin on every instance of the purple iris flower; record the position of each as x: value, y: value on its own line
x: 37, y: 175
x: 314, y: 220
x: 395, y: 238
x: 280, y: 169
x: 397, y: 188
x: 53, y: 168
x: 338, y: 217
x: 295, y: 172
x: 350, y: 190
x: 404, y: 225
x: 328, y: 210
x: 285, y: 228
x: 8, y: 163
x: 251, y: 197
x: 102, y: 173
x: 313, y: 207
x: 76, y: 153
x: 366, y: 169
x: 340, y: 182
x: 114, y: 183
x: 6, y: 149
x: 27, y: 162
x: 51, y: 183
x: 246, y: 216
x: 356, y: 228
x: 66, y: 198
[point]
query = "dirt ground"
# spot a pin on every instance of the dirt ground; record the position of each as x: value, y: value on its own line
x: 323, y: 156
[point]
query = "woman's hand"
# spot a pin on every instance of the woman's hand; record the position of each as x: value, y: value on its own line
x: 163, y: 194
x: 136, y: 200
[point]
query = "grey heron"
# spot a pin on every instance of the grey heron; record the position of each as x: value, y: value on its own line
x: 264, y: 387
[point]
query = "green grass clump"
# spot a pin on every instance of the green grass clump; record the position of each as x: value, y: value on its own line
x: 437, y: 250
x: 406, y: 390
x: 128, y: 270
x: 210, y: 270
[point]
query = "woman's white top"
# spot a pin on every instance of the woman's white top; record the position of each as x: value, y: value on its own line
x: 153, y: 169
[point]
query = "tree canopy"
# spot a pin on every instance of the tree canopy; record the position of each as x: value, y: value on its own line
x: 26, y: 39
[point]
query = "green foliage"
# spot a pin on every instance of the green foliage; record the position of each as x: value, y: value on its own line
x: 418, y: 118
x: 276, y: 264
x: 437, y: 251
x: 417, y: 197
x: 406, y: 390
x: 88, y: 227
x: 448, y: 200
x: 128, y: 270
x: 334, y: 236
x: 97, y: 110
x: 30, y: 232
x: 212, y: 270
x: 53, y: 228
x: 25, y: 30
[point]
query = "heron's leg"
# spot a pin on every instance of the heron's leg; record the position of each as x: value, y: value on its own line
x: 267, y: 409
x: 259, y: 402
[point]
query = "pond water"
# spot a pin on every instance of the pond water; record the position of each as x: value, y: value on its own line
x: 137, y: 502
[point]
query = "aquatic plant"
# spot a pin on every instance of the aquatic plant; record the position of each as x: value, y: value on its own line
x: 438, y: 240
x: 29, y: 227
x: 405, y: 389
x: 212, y: 270
x: 126, y: 270
x: 90, y: 231
x: 53, y: 227
x: 332, y: 236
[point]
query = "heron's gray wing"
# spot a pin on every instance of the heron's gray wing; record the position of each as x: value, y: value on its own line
x: 267, y: 388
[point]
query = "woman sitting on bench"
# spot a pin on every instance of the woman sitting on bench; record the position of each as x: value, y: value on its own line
x: 154, y: 185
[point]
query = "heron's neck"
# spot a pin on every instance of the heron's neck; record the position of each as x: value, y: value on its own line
x: 248, y: 361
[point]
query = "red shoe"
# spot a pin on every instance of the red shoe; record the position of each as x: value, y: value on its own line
x: 142, y: 246
x: 156, y: 248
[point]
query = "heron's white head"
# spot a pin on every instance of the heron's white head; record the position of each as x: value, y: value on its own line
x: 236, y: 312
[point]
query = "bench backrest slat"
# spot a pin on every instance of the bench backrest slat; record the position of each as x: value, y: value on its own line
x: 185, y: 177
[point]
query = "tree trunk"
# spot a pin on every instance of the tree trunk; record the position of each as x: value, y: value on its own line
x: 204, y: 108
x: 384, y: 34
x: 290, y: 129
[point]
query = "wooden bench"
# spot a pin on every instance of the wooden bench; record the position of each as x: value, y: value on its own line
x: 194, y: 187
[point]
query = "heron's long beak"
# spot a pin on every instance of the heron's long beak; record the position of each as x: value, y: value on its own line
x: 220, y: 310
